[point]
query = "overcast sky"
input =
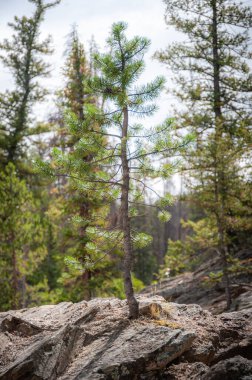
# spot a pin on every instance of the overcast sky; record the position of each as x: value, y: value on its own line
x: 95, y: 17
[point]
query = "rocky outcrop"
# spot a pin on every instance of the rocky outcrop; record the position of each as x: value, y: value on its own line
x: 191, y: 287
x: 236, y: 368
x: 96, y: 340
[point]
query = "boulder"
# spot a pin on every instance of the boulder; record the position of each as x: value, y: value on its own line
x: 236, y: 368
x: 182, y: 371
x: 96, y: 340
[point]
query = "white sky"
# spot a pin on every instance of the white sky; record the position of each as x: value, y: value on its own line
x: 95, y: 17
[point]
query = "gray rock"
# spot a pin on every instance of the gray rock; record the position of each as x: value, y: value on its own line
x: 189, y: 288
x: 24, y: 328
x: 86, y: 340
x: 96, y: 340
x: 243, y: 301
x: 189, y: 371
x: 236, y: 368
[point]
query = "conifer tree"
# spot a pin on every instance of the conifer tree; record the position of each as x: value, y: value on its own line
x: 73, y: 98
x: 214, y: 82
x: 122, y: 162
x: 22, y: 55
x: 76, y: 73
x: 22, y: 236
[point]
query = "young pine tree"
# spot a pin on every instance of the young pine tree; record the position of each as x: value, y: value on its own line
x: 214, y: 83
x: 22, y: 56
x: 122, y: 162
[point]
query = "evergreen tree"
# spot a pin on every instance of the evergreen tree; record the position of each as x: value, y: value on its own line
x: 23, y: 57
x: 73, y: 98
x: 214, y: 83
x: 22, y: 235
x: 121, y: 163
x: 76, y: 73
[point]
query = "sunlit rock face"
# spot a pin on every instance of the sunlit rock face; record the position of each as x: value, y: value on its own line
x: 96, y: 340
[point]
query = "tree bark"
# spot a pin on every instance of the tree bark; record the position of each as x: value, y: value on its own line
x: 219, y: 175
x: 127, y: 244
x: 15, y: 299
x: 86, y: 276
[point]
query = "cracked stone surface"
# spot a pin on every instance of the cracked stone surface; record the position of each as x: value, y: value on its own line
x: 96, y: 340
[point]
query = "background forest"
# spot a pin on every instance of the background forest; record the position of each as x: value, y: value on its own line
x: 60, y: 211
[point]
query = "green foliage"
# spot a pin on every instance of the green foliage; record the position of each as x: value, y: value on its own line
x: 236, y: 267
x: 22, y: 55
x: 22, y: 236
x: 213, y: 85
x: 146, y: 259
x: 115, y: 287
x: 200, y: 241
x: 164, y: 216
x: 213, y: 278
x: 95, y: 166
x: 141, y: 240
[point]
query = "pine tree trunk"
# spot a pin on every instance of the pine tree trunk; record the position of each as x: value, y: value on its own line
x: 219, y: 177
x: 84, y: 206
x: 15, y: 298
x: 86, y: 276
x: 15, y: 274
x: 226, y: 278
x: 127, y: 244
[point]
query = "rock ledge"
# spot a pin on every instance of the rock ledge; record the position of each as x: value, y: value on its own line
x: 95, y: 340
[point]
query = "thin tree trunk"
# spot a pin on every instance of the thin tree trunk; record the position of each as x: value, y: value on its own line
x: 219, y: 174
x: 84, y: 206
x: 14, y: 275
x: 14, y: 303
x: 226, y: 278
x: 127, y: 244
